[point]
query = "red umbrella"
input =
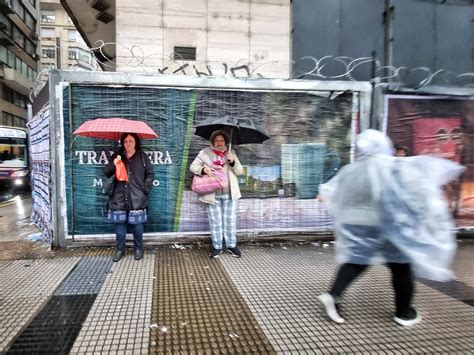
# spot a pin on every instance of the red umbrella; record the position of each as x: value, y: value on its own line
x: 112, y: 128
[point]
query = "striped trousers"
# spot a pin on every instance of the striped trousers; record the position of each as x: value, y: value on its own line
x: 222, y: 221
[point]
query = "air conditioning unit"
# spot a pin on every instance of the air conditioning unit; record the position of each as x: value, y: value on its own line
x: 105, y: 17
x: 100, y: 5
x: 35, y: 37
x: 3, y: 26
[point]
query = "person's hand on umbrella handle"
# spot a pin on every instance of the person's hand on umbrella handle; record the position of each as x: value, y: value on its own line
x: 230, y: 157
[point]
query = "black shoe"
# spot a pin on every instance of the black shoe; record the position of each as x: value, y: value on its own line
x: 215, y: 253
x: 409, y: 318
x: 138, y: 254
x: 118, y: 255
x: 235, y: 252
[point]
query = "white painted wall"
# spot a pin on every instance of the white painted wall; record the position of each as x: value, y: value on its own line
x: 235, y: 32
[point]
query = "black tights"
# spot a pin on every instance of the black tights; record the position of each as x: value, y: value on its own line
x: 402, y: 282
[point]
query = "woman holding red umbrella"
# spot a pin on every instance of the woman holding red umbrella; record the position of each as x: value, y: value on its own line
x: 129, y: 200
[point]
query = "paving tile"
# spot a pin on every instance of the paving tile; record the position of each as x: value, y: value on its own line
x: 55, y: 328
x: 125, y: 296
x: 88, y: 276
x: 197, y: 308
x: 26, y: 286
x: 464, y: 262
x: 267, y: 298
x: 284, y: 283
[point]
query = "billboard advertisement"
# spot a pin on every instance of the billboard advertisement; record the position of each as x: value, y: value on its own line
x: 442, y: 127
x: 310, y: 134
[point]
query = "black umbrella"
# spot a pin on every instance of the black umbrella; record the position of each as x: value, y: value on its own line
x: 240, y: 130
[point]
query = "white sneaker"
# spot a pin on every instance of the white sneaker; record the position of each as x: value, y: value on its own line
x: 330, y: 306
x: 407, y: 322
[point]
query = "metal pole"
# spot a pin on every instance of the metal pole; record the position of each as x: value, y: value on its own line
x: 388, y: 36
x: 58, y: 53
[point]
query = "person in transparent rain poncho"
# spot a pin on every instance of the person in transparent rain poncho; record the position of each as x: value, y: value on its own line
x: 390, y: 210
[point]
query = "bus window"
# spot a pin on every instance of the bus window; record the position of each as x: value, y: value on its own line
x: 12, y: 155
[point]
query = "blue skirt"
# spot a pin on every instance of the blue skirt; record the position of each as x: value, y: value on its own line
x: 131, y: 217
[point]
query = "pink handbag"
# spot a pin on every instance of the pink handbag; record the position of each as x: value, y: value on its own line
x: 206, y: 184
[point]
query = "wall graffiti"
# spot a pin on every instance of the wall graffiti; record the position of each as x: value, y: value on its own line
x: 326, y: 68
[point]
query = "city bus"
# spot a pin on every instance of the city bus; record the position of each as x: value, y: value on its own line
x: 14, y: 169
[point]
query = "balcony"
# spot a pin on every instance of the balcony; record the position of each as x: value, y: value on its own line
x: 15, y: 80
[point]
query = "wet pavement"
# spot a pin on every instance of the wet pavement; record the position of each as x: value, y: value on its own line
x: 16, y: 227
x: 180, y: 301
x: 15, y: 212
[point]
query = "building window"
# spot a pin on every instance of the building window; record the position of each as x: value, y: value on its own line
x: 30, y: 21
x: 19, y: 100
x: 7, y: 119
x: 7, y: 94
x: 3, y: 55
x: 19, y: 9
x: 18, y: 122
x: 5, y: 25
x: 84, y: 57
x: 12, y: 120
x: 15, y: 62
x: 18, y: 37
x: 184, y: 53
x: 10, y: 59
x: 13, y: 97
x: 72, y: 54
x: 73, y: 36
x: 48, y: 16
x: 47, y: 33
x: 48, y: 52
x: 30, y: 48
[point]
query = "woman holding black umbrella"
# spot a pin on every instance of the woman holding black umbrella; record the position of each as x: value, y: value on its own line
x: 221, y: 204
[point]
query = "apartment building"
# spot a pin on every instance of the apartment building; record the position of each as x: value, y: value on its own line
x: 209, y: 36
x: 18, y: 58
x: 62, y: 46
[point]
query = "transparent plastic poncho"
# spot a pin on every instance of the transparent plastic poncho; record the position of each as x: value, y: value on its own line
x: 390, y: 209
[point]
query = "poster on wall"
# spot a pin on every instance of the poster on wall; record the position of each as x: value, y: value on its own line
x: 443, y: 127
x: 310, y: 140
x: 39, y: 147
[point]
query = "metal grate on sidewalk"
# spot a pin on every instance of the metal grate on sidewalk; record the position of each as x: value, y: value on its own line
x: 55, y: 328
x: 197, y: 308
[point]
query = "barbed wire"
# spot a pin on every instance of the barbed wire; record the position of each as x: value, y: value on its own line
x: 413, y: 77
x: 326, y: 68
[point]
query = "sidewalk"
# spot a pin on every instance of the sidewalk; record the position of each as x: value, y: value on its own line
x: 180, y: 301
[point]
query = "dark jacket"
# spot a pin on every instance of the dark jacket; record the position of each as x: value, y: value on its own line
x: 131, y: 194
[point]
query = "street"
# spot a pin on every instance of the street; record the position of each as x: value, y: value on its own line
x: 15, y: 226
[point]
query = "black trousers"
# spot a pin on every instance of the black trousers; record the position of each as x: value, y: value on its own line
x: 402, y: 282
